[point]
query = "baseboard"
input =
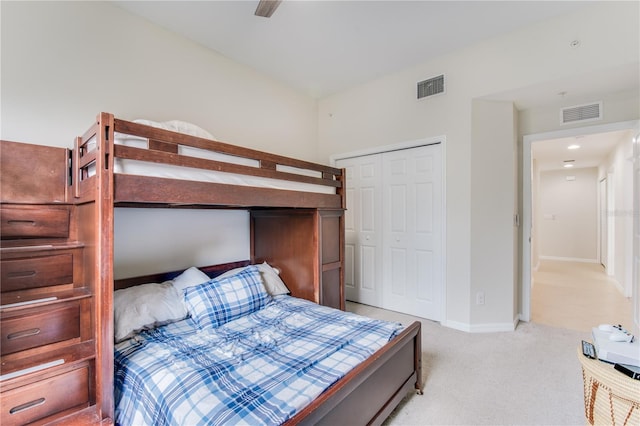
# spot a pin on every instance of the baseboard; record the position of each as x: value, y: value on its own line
x: 569, y: 259
x: 617, y: 285
x: 482, y: 328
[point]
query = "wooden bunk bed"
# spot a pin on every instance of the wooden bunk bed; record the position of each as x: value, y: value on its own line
x: 298, y: 227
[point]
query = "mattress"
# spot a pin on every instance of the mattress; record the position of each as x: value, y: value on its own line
x: 135, y: 167
x: 260, y: 368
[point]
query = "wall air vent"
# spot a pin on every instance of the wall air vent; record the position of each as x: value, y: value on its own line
x: 430, y: 87
x: 581, y: 113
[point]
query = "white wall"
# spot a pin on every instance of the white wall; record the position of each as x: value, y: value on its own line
x: 616, y: 107
x: 535, y: 213
x: 64, y: 62
x: 619, y: 165
x: 493, y: 190
x: 156, y: 240
x: 568, y: 214
x: 385, y: 111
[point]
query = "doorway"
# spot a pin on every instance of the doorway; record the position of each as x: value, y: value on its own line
x: 530, y: 259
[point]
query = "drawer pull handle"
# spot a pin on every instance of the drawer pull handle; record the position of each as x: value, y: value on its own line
x: 21, y: 222
x: 27, y: 405
x: 23, y: 333
x: 21, y: 274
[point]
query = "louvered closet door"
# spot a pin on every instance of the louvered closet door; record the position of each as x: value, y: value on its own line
x: 363, y: 236
x: 412, y: 237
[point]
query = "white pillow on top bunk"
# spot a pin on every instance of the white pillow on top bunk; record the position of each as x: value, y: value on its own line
x: 178, y: 126
x: 270, y: 278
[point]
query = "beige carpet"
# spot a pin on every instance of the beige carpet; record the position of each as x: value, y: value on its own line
x: 527, y: 377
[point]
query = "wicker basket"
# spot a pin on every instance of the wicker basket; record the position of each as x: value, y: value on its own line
x: 610, y: 397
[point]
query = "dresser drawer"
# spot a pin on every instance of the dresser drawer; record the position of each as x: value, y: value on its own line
x: 45, y: 398
x: 34, y: 222
x: 37, y: 327
x: 33, y: 272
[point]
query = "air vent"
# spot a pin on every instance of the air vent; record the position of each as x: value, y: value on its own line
x: 430, y: 87
x: 581, y: 113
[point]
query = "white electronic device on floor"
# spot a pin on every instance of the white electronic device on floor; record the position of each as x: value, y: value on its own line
x: 616, y: 345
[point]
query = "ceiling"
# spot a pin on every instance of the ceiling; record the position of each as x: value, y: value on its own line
x: 593, y: 149
x: 323, y: 47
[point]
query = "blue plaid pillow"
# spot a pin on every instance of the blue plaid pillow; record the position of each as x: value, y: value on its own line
x: 217, y: 302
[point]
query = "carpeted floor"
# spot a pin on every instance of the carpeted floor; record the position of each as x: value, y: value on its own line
x: 527, y: 377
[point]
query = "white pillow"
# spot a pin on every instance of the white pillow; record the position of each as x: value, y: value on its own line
x: 189, y: 278
x: 178, y: 126
x: 145, y: 306
x: 188, y: 128
x: 270, y: 278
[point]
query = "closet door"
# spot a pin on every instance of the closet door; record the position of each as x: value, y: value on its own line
x: 412, y: 236
x: 393, y: 230
x: 363, y: 235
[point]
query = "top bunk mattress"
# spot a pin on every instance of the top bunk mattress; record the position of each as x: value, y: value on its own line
x: 159, y: 170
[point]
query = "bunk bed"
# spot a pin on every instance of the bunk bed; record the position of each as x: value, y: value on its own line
x: 297, y: 225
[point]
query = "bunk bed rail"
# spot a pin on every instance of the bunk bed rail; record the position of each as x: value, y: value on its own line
x: 315, y: 185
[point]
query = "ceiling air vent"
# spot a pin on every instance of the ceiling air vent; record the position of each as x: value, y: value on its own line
x: 587, y: 112
x: 430, y: 87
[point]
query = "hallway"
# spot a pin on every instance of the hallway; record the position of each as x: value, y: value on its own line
x: 577, y: 296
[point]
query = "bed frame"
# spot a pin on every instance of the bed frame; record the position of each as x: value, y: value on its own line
x: 368, y: 393
x: 316, y: 220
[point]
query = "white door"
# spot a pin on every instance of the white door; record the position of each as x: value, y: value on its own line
x: 363, y: 238
x: 604, y: 240
x: 393, y: 230
x: 412, y: 237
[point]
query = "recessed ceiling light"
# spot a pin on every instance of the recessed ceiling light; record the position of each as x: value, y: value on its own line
x: 574, y: 146
x: 568, y: 166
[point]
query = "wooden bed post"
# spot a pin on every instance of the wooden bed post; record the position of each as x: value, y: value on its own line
x: 342, y: 190
x: 103, y: 274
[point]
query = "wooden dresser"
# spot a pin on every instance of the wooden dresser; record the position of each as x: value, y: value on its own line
x: 48, y: 350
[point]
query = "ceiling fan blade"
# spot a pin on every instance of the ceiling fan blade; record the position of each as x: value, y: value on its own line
x: 267, y: 7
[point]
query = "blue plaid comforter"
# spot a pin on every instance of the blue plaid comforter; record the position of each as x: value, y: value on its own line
x: 258, y: 369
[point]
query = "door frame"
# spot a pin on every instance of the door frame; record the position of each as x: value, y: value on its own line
x: 635, y: 268
x: 611, y: 228
x: 407, y: 145
x: 603, y: 242
x: 527, y: 141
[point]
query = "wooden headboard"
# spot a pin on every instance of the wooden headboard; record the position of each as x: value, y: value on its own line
x: 212, y: 271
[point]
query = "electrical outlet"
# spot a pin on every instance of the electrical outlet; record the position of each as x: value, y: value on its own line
x: 480, y: 298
